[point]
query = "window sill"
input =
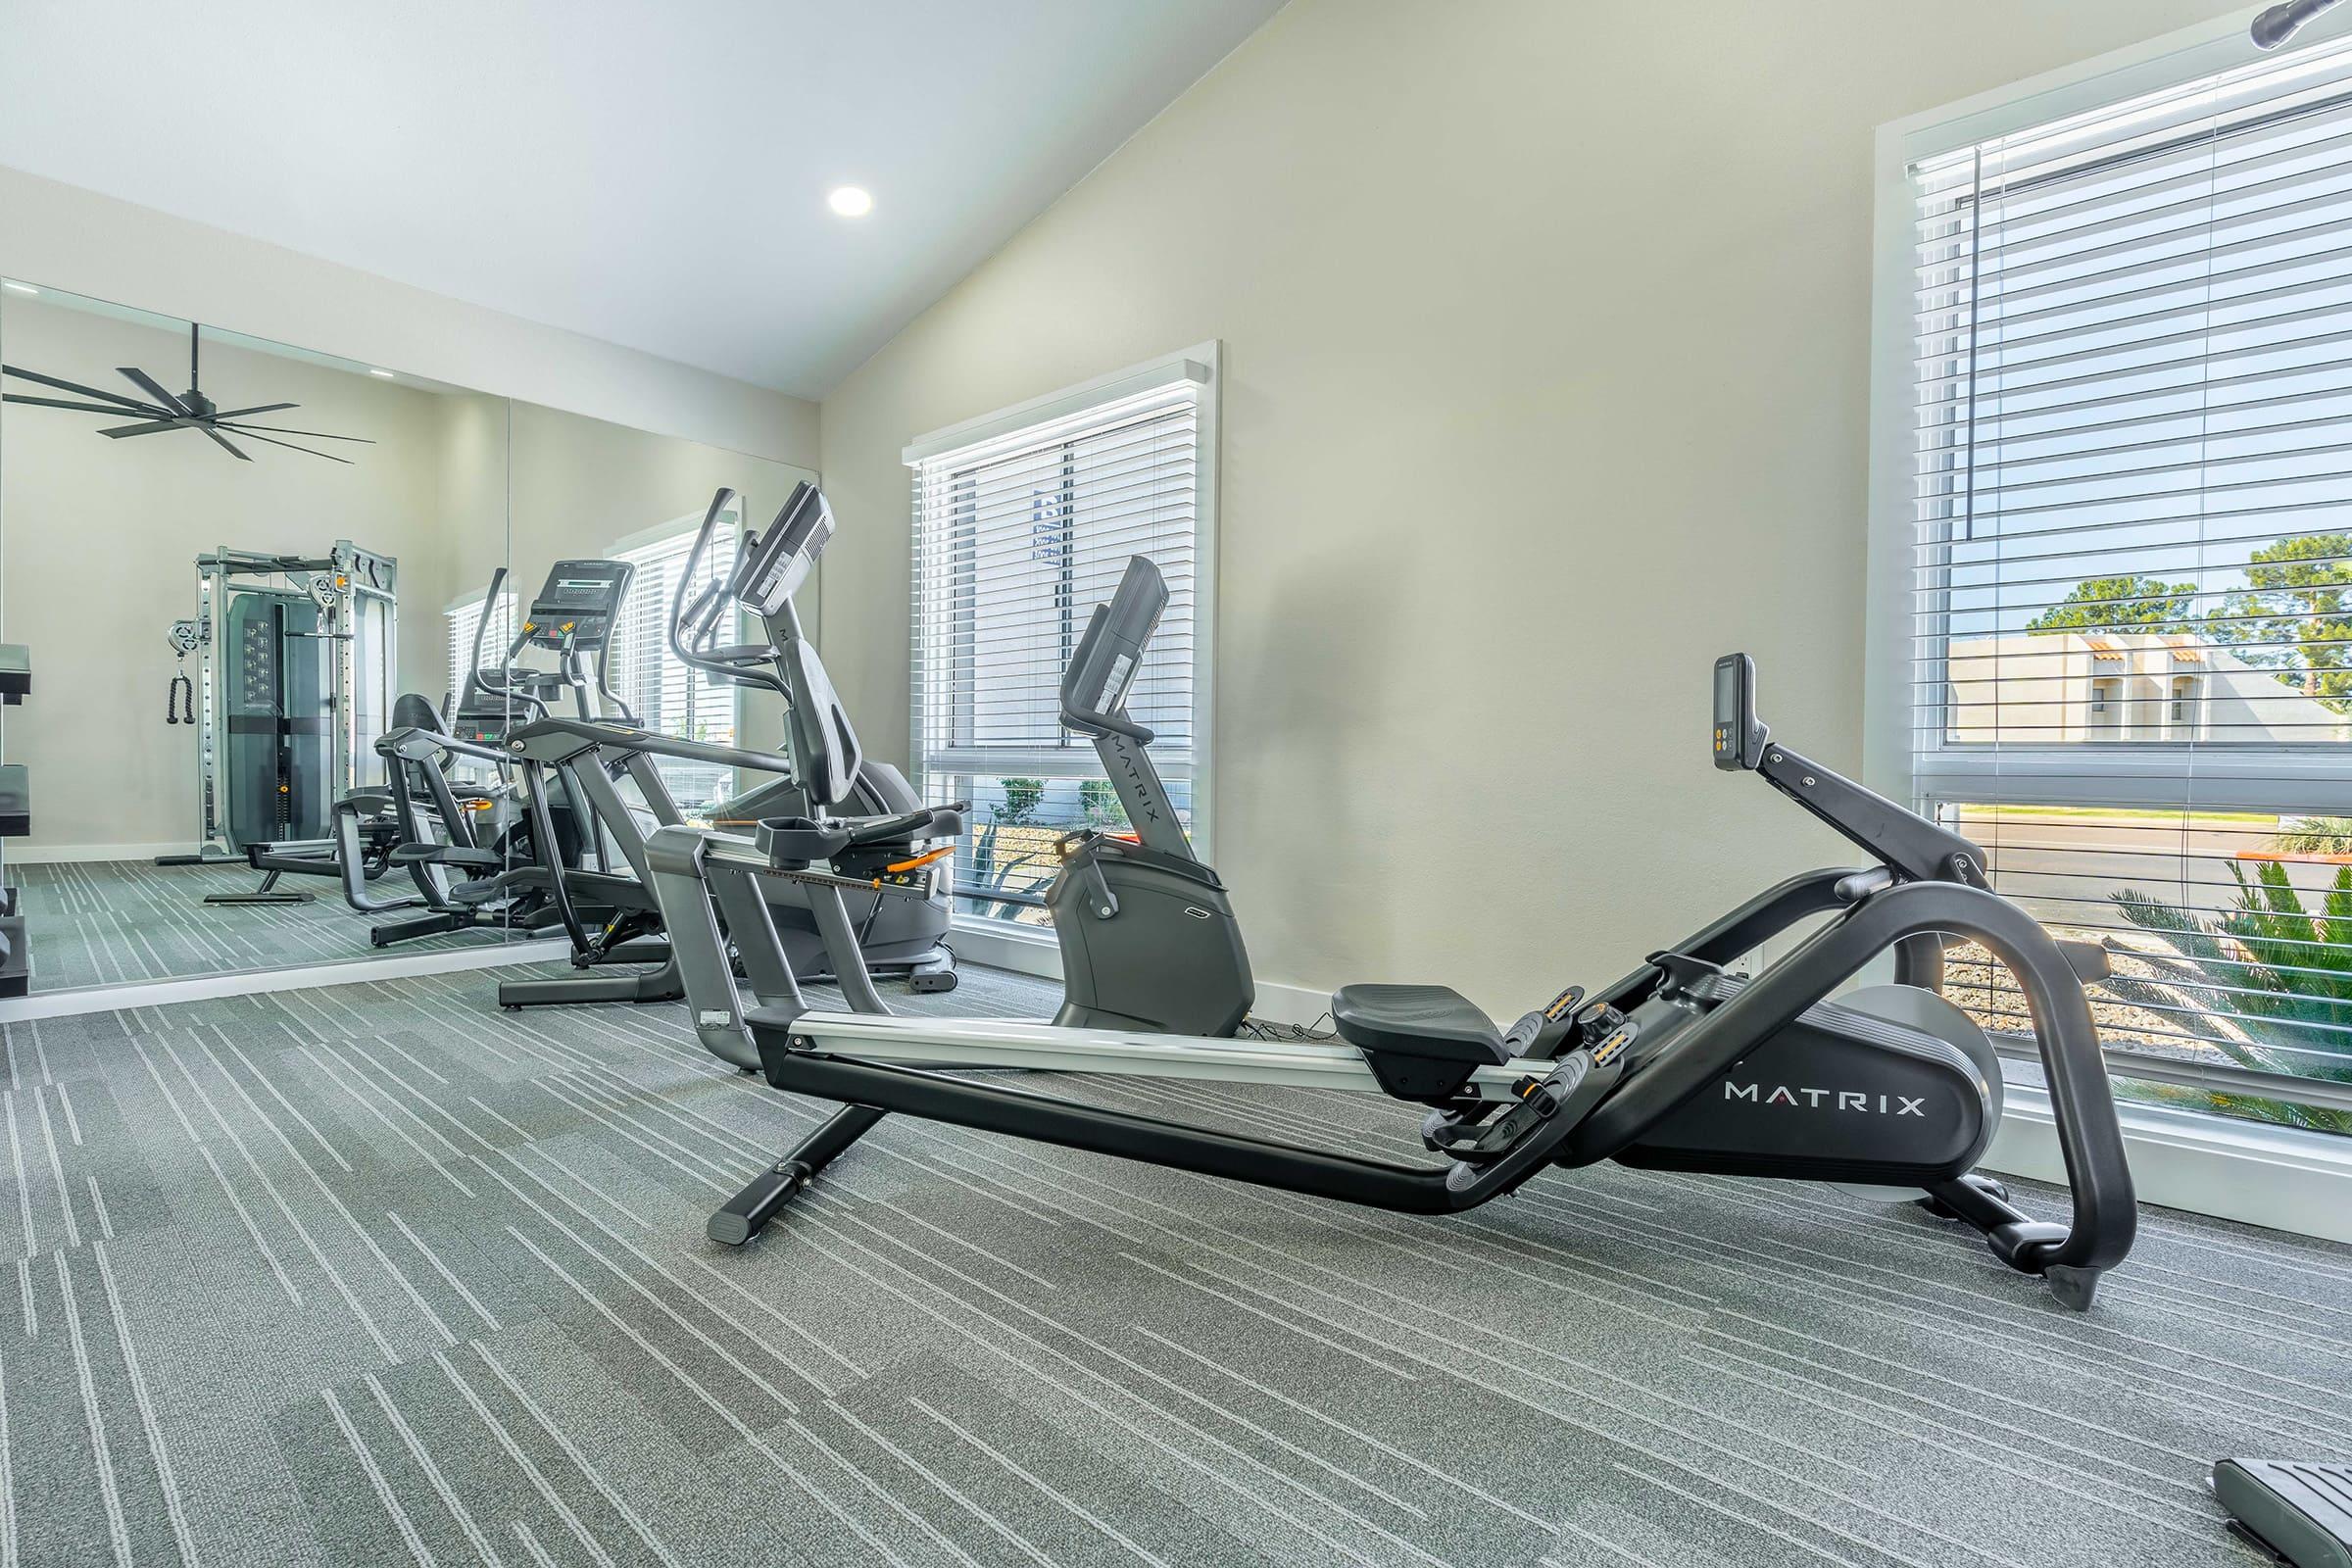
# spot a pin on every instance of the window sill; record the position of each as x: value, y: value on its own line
x: 1002, y: 945
x: 2178, y: 775
x: 2283, y: 1178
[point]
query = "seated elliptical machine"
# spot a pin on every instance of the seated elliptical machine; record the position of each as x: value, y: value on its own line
x: 898, y: 936
x: 901, y: 888
x: 1678, y: 1065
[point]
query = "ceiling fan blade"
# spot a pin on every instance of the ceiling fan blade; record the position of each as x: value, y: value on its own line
x: 116, y: 410
x: 279, y: 430
x: 215, y: 437
x: 152, y: 427
x: 258, y: 408
x: 154, y: 388
x: 288, y: 445
x: 115, y: 398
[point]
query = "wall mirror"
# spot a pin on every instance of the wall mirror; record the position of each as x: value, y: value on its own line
x: 260, y: 586
x: 585, y: 490
x: 235, y: 566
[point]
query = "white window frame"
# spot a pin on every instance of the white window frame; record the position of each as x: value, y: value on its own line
x: 2274, y: 1176
x: 2133, y: 770
x: 1201, y: 365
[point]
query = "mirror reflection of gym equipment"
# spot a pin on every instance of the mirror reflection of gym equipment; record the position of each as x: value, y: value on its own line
x: 295, y: 665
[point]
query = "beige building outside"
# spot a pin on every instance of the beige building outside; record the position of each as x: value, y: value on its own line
x: 2065, y: 688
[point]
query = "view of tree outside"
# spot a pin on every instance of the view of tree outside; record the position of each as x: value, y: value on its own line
x: 2293, y: 616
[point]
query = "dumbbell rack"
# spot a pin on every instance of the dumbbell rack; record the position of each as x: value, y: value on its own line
x: 16, y: 821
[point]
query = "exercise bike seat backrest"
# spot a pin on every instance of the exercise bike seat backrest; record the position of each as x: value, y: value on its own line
x: 415, y: 711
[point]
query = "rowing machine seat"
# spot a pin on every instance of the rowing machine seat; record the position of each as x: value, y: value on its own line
x: 1421, y: 1042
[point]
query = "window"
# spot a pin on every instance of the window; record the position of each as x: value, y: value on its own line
x: 1023, y: 523
x: 669, y: 696
x: 461, y: 619
x: 2130, y: 618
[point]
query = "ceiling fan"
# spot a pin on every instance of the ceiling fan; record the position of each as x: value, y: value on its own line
x: 188, y: 411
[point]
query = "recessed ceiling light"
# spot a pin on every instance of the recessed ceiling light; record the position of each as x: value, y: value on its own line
x: 386, y: 374
x: 850, y: 202
x: 22, y: 288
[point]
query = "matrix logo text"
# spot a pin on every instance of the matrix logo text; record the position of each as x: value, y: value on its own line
x: 1820, y: 1099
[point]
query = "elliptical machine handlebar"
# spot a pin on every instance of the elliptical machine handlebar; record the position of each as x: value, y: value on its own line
x: 694, y: 623
x: 503, y: 688
x: 510, y: 693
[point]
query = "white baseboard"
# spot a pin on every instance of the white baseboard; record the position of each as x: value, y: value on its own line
x: 251, y: 982
x: 1025, y: 950
x: 79, y: 853
x: 1301, y: 1006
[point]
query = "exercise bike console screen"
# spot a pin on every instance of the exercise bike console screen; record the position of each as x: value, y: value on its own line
x: 779, y: 561
x: 1739, y: 736
x: 1112, y: 651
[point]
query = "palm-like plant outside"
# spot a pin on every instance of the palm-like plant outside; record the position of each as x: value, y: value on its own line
x: 2267, y: 983
x: 994, y: 861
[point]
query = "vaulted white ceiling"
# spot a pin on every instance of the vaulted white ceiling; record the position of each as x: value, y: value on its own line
x: 653, y: 175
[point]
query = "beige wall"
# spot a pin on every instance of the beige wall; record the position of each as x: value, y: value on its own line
x: 1547, y: 346
x: 98, y: 541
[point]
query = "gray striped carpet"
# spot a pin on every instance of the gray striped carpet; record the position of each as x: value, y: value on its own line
x: 378, y: 1275
x: 113, y: 922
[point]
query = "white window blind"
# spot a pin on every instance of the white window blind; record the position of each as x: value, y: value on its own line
x: 461, y: 619
x: 2132, y: 584
x: 667, y: 695
x: 1017, y: 538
